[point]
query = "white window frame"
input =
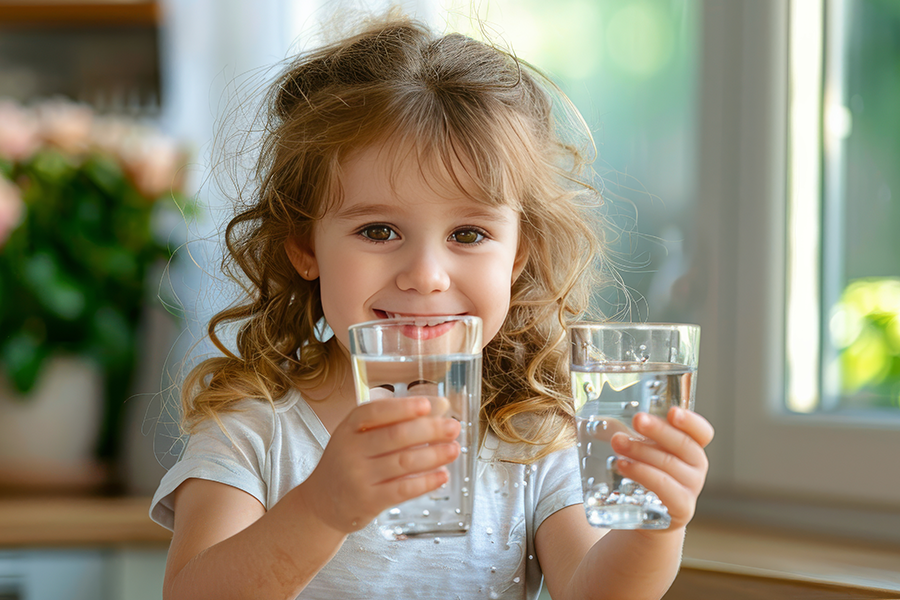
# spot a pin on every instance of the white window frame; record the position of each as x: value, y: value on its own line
x: 831, y: 473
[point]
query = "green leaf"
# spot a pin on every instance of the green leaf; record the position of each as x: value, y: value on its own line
x: 113, y: 336
x: 23, y: 356
x: 57, y: 292
x: 52, y: 166
x: 105, y: 173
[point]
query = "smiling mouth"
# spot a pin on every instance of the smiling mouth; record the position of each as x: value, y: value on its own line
x: 419, y: 320
x: 424, y: 327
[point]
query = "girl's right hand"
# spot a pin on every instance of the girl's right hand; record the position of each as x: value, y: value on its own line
x: 383, y: 453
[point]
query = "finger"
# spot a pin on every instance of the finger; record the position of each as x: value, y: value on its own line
x: 679, y: 501
x: 384, y: 412
x: 406, y: 434
x: 672, y: 440
x: 650, y: 453
x: 405, y: 488
x: 692, y: 424
x: 413, y: 461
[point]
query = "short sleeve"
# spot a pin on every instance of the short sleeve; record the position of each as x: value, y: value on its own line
x: 557, y: 483
x: 237, y: 456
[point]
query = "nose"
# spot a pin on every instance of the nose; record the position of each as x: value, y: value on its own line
x: 424, y: 271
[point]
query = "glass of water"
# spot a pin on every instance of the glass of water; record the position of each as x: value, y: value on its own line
x: 619, y: 370
x: 435, y: 357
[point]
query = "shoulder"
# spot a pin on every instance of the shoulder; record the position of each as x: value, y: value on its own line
x: 248, y: 417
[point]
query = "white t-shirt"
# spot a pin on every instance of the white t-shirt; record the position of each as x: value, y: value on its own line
x: 270, y: 453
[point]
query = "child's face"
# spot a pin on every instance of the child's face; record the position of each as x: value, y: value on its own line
x: 414, y: 246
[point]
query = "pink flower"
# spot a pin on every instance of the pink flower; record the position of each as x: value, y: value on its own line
x: 66, y: 125
x: 11, y: 209
x: 153, y: 162
x: 18, y: 132
x: 109, y: 134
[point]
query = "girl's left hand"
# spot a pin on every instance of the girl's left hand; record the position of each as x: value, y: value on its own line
x: 670, y: 461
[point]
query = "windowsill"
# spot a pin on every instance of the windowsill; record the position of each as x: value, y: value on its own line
x: 712, y: 545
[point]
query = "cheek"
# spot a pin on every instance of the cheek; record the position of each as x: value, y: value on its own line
x: 494, y: 299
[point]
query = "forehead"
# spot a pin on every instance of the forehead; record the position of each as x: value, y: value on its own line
x: 407, y: 171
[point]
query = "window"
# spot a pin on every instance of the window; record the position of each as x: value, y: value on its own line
x: 809, y: 420
x: 849, y: 189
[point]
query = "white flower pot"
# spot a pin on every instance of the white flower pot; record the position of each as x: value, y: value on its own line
x: 48, y: 438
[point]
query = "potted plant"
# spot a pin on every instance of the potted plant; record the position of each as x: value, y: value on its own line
x: 81, y: 201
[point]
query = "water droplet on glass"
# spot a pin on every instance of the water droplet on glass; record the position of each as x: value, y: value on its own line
x: 516, y: 580
x: 457, y: 511
x: 464, y: 450
x: 489, y: 530
x: 516, y: 484
x: 461, y: 524
x: 465, y: 490
x: 530, y: 557
x: 425, y: 513
x: 493, y: 569
x: 437, y: 540
x: 394, y: 512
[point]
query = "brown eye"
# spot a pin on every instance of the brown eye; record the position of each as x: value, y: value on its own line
x: 378, y: 233
x: 467, y: 236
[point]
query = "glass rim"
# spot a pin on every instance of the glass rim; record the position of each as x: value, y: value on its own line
x: 412, y: 321
x: 624, y: 325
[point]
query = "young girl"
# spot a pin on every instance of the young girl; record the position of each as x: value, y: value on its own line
x: 405, y: 174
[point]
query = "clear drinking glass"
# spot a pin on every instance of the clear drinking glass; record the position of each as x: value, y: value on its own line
x: 618, y: 370
x: 436, y: 357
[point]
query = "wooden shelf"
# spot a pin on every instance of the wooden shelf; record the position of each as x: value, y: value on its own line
x: 77, y: 521
x: 61, y: 14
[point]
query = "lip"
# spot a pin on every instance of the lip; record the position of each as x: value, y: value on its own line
x: 425, y: 327
x: 421, y: 320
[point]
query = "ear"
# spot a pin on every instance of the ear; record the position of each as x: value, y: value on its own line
x: 302, y: 257
x: 522, y: 255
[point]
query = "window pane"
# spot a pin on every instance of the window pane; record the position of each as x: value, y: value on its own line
x: 861, y: 224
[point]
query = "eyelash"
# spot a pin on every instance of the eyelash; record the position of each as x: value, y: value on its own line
x: 481, y: 233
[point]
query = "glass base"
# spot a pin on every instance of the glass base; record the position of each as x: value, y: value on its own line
x: 628, y: 516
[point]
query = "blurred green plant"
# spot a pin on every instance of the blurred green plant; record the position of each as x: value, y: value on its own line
x: 865, y: 326
x: 82, y: 198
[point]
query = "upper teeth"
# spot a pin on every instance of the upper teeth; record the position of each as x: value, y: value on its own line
x: 419, y: 321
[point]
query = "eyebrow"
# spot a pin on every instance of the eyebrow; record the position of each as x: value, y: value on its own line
x: 366, y: 209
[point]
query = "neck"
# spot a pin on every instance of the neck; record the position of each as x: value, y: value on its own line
x: 333, y: 396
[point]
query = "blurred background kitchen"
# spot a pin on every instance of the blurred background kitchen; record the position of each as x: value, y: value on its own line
x: 748, y: 152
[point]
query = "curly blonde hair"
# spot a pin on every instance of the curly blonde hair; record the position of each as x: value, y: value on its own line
x: 455, y: 100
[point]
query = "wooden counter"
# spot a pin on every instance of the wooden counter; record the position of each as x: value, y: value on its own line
x: 720, y: 560
x: 78, y: 521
